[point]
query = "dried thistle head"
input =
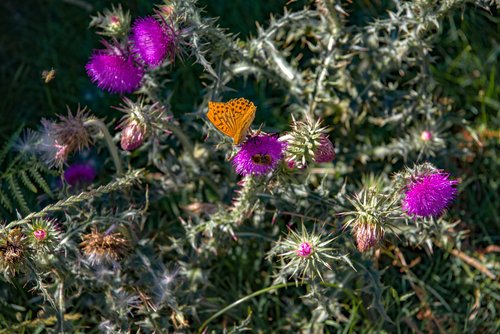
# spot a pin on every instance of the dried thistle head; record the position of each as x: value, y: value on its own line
x: 12, y: 251
x: 60, y: 139
x: 102, y: 248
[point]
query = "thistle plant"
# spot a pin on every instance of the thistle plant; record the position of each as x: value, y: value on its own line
x: 278, y: 216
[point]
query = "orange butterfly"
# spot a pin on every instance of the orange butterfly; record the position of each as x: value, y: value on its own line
x: 232, y: 118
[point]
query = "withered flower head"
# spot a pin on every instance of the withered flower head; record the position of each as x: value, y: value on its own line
x: 101, y: 248
x: 60, y: 139
x: 12, y: 251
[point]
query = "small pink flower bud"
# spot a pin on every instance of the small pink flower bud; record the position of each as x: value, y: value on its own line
x: 132, y: 136
x: 426, y: 135
x: 366, y: 236
x: 304, y: 250
x: 40, y: 234
x: 325, y: 151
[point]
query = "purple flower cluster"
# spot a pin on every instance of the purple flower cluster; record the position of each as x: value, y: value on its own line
x: 428, y: 195
x: 120, y: 70
x: 259, y: 155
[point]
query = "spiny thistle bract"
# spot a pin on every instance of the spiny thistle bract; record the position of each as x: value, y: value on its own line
x: 43, y: 235
x: 140, y: 120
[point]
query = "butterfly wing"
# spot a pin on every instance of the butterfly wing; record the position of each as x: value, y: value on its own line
x: 244, y: 112
x: 233, y: 118
x: 220, y: 116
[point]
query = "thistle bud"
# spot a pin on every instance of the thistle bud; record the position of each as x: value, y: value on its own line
x: 307, y: 255
x: 132, y: 136
x: 307, y: 143
x: 43, y: 235
x: 304, y: 250
x: 325, y: 152
x: 139, y: 121
x: 40, y: 234
x: 367, y: 236
x: 112, y: 23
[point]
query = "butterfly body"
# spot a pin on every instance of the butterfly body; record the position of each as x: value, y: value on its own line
x: 232, y: 118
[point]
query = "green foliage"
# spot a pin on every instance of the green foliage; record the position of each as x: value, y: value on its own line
x: 20, y: 174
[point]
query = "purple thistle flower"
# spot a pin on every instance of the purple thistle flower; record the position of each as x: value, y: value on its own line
x: 429, y: 195
x: 114, y: 72
x: 259, y: 155
x: 325, y: 151
x: 151, y: 40
x: 304, y: 250
x: 78, y: 173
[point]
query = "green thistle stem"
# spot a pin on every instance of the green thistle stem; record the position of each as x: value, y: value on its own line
x: 120, y: 183
x: 109, y: 141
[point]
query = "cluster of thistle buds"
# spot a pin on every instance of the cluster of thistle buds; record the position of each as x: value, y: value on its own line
x: 121, y: 65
